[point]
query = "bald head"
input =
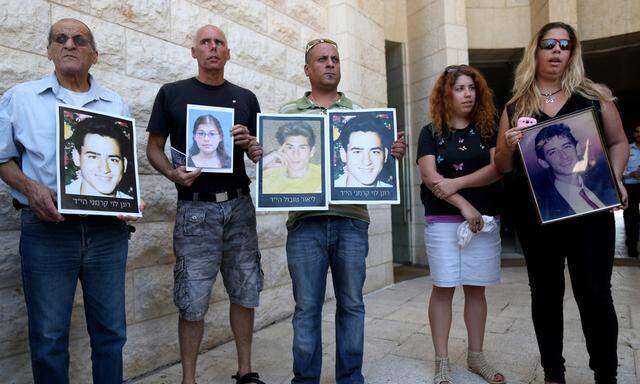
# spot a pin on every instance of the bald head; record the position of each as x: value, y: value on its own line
x: 206, y: 30
x: 210, y: 50
x: 68, y: 22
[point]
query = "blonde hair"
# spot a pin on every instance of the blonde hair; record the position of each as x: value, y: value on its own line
x: 526, y: 95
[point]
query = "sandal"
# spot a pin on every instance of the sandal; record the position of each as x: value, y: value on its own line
x: 479, y: 365
x: 441, y: 375
x: 251, y: 377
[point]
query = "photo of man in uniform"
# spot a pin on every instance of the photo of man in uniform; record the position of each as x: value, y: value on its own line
x: 572, y: 186
x: 289, y: 169
x: 100, y: 157
x: 363, y: 151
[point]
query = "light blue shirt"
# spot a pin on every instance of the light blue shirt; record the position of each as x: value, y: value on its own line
x: 632, y: 165
x: 28, y: 124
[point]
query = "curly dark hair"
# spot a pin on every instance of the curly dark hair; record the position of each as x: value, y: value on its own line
x: 99, y: 126
x: 364, y: 123
x: 296, y: 128
x: 483, y: 114
x: 549, y: 132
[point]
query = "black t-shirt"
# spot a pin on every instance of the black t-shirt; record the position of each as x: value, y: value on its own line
x: 459, y: 152
x: 169, y: 118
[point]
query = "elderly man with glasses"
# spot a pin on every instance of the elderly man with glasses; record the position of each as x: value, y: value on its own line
x: 58, y: 250
x: 319, y: 240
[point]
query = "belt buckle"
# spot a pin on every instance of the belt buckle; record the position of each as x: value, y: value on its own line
x: 222, y: 196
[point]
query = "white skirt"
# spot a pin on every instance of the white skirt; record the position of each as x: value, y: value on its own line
x: 476, y: 264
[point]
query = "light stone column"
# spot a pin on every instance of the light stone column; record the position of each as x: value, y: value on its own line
x: 544, y: 11
x: 437, y: 38
x: 358, y: 29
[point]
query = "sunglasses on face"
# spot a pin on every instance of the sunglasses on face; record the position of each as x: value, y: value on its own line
x: 315, y: 42
x: 78, y: 40
x: 565, y: 44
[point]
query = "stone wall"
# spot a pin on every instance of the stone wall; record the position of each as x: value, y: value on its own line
x: 597, y: 19
x: 437, y: 37
x: 544, y: 11
x: 142, y: 45
x: 498, y: 23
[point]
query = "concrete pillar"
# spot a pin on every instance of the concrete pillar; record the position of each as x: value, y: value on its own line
x: 544, y: 11
x: 437, y: 35
x: 358, y: 28
x: 359, y: 33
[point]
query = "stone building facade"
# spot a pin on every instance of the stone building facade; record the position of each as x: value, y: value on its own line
x: 142, y: 45
x: 145, y: 43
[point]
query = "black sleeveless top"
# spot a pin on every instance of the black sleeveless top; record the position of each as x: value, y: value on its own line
x: 520, y: 200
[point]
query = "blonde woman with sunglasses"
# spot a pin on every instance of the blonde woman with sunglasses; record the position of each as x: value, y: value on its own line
x: 550, y: 81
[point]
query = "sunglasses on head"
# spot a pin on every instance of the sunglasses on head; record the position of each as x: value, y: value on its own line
x: 454, y: 68
x: 78, y: 40
x: 565, y: 44
x: 315, y: 42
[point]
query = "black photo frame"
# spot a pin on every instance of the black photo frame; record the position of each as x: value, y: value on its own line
x: 568, y: 168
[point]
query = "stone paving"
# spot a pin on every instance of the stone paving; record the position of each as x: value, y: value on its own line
x: 398, y: 346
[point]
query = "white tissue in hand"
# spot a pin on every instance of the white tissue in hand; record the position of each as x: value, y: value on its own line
x: 465, y: 234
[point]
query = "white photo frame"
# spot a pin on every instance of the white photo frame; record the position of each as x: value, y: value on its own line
x: 210, y: 128
x: 292, y: 144
x: 364, y: 172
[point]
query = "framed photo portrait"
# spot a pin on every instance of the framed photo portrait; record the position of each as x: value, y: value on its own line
x: 362, y: 170
x: 209, y: 140
x: 567, y: 166
x: 292, y: 173
x: 96, y: 163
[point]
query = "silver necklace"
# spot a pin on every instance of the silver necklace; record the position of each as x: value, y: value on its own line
x: 549, y: 97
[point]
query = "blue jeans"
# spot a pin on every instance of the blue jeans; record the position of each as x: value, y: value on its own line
x: 313, y: 245
x: 54, y: 256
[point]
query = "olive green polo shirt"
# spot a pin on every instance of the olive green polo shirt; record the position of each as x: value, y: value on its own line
x: 305, y: 105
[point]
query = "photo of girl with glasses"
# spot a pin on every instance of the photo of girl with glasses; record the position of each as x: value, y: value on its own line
x: 209, y: 145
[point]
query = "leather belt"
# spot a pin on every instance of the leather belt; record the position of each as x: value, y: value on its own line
x: 214, y: 197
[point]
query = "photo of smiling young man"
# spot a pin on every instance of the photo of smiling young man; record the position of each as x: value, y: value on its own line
x: 568, y: 168
x: 362, y: 167
x: 97, y: 168
x: 100, y: 157
x: 364, y: 157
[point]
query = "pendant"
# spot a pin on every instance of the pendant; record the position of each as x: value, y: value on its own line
x: 549, y: 99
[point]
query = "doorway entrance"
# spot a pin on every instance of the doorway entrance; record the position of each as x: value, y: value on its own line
x: 498, y: 67
x: 400, y: 214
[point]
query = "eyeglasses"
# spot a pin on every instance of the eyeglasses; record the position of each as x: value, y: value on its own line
x: 454, y: 68
x: 315, y: 42
x: 202, y: 135
x: 78, y: 40
x: 565, y: 44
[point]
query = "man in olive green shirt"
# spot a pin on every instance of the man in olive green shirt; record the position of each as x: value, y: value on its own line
x: 336, y: 238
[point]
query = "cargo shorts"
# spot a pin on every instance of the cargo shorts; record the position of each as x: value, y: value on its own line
x: 209, y: 237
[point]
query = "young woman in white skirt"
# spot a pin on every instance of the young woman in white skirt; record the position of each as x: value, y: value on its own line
x: 460, y: 184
